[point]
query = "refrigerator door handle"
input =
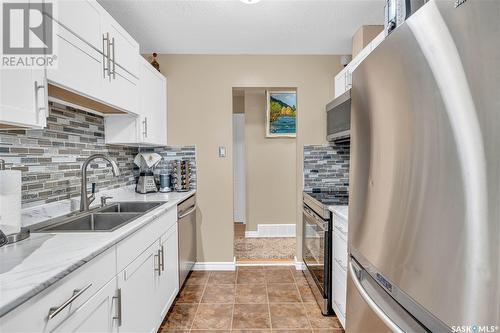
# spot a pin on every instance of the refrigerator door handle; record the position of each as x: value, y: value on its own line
x: 371, y: 303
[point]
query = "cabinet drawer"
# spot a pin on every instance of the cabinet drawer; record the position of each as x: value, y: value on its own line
x: 134, y: 245
x: 340, y: 225
x: 33, y: 316
x: 340, y: 251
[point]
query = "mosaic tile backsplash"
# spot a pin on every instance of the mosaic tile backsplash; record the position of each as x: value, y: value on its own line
x: 51, y: 159
x: 171, y: 154
x: 326, y: 167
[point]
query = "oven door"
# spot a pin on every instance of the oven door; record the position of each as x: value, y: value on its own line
x: 315, y: 250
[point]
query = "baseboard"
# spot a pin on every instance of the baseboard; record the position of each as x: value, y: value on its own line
x: 299, y: 265
x: 272, y: 230
x: 264, y: 262
x: 215, y: 266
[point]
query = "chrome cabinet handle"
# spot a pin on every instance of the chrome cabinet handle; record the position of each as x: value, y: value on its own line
x: 76, y: 293
x: 145, y: 122
x: 114, y: 58
x: 108, y: 48
x: 105, y: 47
x: 118, y: 299
x: 162, y: 258
x: 37, y: 106
x: 371, y: 303
x: 157, y: 258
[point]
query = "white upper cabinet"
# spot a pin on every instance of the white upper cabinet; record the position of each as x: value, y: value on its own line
x: 23, y: 98
x: 150, y: 127
x: 121, y: 52
x: 80, y: 66
x: 343, y: 80
x: 97, y: 59
x: 96, y: 56
x: 124, y: 49
x: 153, y: 102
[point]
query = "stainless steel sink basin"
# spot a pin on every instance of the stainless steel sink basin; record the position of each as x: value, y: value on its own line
x: 108, y: 218
x: 129, y: 207
x: 92, y: 222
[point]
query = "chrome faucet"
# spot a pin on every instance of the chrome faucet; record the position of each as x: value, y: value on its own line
x: 86, y: 200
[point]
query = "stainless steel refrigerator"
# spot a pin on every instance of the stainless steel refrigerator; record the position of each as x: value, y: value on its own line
x: 424, y: 210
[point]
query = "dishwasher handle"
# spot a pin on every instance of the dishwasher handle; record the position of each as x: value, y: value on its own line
x: 189, y: 211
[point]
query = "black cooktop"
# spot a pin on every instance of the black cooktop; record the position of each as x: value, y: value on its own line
x: 329, y: 197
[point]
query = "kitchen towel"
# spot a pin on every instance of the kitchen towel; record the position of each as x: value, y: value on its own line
x: 147, y: 160
x: 10, y: 201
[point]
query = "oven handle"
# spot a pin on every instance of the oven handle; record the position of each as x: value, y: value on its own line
x: 315, y: 219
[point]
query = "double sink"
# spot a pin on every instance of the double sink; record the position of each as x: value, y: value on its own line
x: 103, y: 219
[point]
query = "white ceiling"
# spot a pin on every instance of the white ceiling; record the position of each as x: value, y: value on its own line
x: 232, y: 27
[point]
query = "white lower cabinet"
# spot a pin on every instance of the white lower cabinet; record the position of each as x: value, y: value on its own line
x: 339, y: 271
x: 168, y: 285
x: 128, y: 288
x: 97, y: 315
x: 339, y: 294
x: 137, y: 285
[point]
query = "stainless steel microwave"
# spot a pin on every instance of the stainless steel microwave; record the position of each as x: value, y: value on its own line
x: 338, y: 115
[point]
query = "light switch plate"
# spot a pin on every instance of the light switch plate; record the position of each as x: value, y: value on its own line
x: 222, y: 151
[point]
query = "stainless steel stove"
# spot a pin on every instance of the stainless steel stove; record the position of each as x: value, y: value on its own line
x: 317, y: 243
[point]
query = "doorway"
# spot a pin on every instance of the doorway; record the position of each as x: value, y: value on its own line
x: 264, y: 184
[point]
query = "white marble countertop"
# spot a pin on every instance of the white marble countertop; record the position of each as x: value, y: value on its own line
x: 342, y: 211
x: 32, y: 265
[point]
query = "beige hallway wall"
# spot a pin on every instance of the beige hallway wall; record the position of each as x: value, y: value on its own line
x: 199, y: 104
x: 270, y: 168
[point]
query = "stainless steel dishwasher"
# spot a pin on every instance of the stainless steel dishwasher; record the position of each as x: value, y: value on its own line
x: 186, y: 222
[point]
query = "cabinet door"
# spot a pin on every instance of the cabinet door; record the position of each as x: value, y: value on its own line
x: 340, y: 84
x: 137, y: 284
x: 96, y: 315
x: 126, y: 49
x: 23, y: 98
x: 122, y: 90
x: 153, y: 105
x: 83, y: 18
x: 150, y: 126
x: 339, y: 292
x: 79, y: 68
x: 168, y: 286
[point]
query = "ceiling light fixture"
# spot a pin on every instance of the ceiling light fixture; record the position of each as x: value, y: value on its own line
x: 250, y: 2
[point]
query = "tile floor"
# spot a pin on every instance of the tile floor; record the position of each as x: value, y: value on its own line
x: 262, y: 248
x: 252, y: 299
